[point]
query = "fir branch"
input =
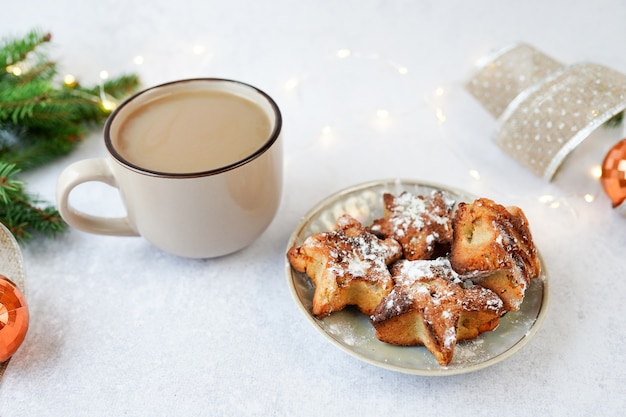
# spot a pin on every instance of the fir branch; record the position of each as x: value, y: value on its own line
x: 52, y: 121
x: 17, y: 49
x: 20, y: 212
x: 18, y: 102
x: 34, y: 150
x: 122, y: 85
x: 24, y: 218
x: 44, y: 70
x: 10, y: 187
x: 40, y: 121
x: 35, y: 104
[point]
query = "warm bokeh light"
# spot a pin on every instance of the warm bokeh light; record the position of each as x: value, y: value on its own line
x: 474, y: 174
x: 441, y: 117
x: 550, y: 201
x: 327, y: 136
x: 15, y: 70
x: 382, y: 113
x: 344, y: 53
x: 198, y: 49
x: 69, y: 80
x: 107, y: 105
x: 292, y: 84
x: 596, y: 172
x: 546, y: 198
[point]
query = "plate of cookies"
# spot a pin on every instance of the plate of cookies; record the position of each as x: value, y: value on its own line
x: 417, y: 277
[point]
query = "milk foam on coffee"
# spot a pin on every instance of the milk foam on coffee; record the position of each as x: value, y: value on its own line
x: 192, y: 131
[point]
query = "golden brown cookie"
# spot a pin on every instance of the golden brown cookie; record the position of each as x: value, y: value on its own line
x: 492, y: 244
x: 430, y: 306
x: 420, y: 223
x: 348, y: 266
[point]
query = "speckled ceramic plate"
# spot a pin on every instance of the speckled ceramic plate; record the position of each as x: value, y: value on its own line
x: 352, y: 332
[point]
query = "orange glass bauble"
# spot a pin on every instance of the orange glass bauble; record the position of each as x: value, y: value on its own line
x: 14, y: 318
x: 614, y: 173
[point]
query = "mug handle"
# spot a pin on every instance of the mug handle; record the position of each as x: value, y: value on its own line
x: 88, y: 170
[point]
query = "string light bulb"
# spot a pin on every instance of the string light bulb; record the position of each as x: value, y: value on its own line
x: 70, y: 81
x: 198, y: 49
x: 292, y: 83
x: 327, y: 137
x: 382, y: 113
x: 546, y: 198
x: 441, y: 117
x: 589, y: 198
x: 107, y: 105
x: 596, y: 172
x: 344, y: 53
x: 550, y: 201
x: 14, y: 69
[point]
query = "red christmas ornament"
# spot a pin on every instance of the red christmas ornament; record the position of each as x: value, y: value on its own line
x: 614, y: 173
x: 14, y: 318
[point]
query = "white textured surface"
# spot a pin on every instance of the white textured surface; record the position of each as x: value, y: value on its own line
x: 119, y: 328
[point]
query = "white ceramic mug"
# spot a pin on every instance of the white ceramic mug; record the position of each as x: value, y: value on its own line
x: 198, y: 214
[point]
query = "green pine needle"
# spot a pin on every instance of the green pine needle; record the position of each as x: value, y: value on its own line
x: 17, y: 49
x: 42, y: 119
x: 9, y: 185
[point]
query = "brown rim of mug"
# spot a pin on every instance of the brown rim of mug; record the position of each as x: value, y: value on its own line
x: 266, y: 146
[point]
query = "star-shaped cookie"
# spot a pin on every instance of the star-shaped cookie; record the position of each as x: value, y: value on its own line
x: 348, y: 266
x: 431, y: 306
x: 419, y: 223
x: 494, y: 244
